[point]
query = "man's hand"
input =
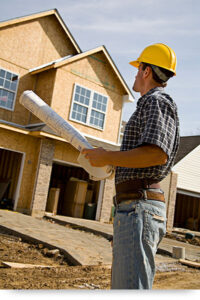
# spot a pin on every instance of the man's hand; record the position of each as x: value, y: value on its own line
x: 97, y: 156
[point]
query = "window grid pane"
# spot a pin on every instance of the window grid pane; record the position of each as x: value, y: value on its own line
x: 99, y: 102
x: 79, y: 113
x: 89, y: 107
x: 97, y: 118
x: 82, y: 95
x: 8, y: 84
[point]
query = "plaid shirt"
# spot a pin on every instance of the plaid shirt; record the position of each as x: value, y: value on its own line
x: 155, y: 121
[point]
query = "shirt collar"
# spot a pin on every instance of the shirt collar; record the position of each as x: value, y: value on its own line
x: 151, y: 91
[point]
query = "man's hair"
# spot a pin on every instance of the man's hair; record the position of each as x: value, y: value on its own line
x: 158, y: 72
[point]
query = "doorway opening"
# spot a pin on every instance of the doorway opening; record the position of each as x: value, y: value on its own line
x: 72, y: 193
x: 10, y: 170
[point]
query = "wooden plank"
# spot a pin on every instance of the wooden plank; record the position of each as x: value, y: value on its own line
x: 190, y: 263
x: 21, y: 265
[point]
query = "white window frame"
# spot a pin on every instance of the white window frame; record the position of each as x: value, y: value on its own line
x: 13, y: 107
x: 89, y: 107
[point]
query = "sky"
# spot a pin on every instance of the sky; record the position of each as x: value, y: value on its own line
x: 125, y: 28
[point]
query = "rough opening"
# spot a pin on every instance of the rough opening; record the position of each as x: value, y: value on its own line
x: 187, y: 212
x: 10, y: 164
x: 72, y: 193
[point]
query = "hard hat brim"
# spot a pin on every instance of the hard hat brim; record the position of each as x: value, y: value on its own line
x: 135, y: 63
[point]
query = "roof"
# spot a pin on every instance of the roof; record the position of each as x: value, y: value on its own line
x: 187, y: 144
x: 40, y: 15
x: 188, y: 170
x: 69, y: 59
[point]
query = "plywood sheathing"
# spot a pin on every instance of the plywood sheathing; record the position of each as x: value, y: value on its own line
x: 30, y: 146
x: 42, y: 40
x: 90, y: 73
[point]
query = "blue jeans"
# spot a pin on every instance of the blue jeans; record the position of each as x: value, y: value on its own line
x: 139, y: 226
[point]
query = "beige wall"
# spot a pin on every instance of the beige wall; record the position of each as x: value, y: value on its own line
x: 30, y: 146
x: 65, y: 152
x: 92, y: 76
x: 26, y: 82
x: 44, y: 89
x: 42, y: 40
x: 28, y: 45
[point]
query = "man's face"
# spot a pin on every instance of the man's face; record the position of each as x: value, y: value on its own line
x: 138, y: 83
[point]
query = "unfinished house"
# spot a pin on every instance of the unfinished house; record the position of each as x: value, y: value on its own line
x: 38, y: 169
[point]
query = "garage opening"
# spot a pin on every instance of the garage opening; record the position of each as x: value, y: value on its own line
x: 72, y: 193
x: 10, y: 166
x: 187, y: 212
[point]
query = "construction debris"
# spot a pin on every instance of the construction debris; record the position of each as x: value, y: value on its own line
x: 190, y: 263
x: 51, y: 253
x: 9, y: 264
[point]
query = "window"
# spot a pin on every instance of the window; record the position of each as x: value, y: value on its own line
x: 88, y: 107
x: 8, y: 89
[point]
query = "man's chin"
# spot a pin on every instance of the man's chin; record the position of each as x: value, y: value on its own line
x: 135, y: 89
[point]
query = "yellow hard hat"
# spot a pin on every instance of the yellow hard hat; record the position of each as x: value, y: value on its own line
x: 159, y: 55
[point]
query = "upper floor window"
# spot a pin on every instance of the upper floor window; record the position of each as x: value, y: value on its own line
x: 8, y: 88
x: 88, y: 107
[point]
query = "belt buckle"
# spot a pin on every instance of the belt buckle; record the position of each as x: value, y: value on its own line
x: 143, y: 194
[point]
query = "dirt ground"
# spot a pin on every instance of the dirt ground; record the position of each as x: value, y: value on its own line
x: 60, y: 275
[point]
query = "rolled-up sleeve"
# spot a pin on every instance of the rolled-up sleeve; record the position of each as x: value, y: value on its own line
x: 158, y: 125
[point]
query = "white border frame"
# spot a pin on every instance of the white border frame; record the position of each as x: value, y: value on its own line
x: 17, y: 190
x: 88, y: 107
x: 11, y: 109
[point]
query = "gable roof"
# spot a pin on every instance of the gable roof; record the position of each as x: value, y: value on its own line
x: 188, y: 170
x: 69, y: 59
x: 187, y: 144
x: 40, y: 15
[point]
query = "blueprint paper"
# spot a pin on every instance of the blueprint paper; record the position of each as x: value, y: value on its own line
x: 47, y: 115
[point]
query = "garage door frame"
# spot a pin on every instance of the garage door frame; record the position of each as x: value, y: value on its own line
x: 16, y: 194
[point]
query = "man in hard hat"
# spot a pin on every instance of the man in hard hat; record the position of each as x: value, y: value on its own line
x: 147, y: 154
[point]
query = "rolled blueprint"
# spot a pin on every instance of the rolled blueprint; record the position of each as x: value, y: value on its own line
x: 46, y: 114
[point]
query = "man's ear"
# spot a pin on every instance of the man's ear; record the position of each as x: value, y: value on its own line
x: 147, y: 71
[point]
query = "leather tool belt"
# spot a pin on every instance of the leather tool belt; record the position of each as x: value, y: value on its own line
x: 136, y: 190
